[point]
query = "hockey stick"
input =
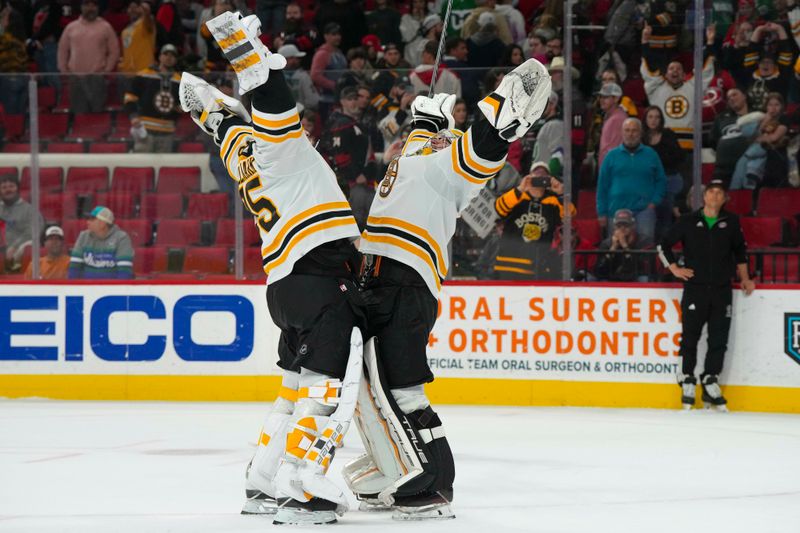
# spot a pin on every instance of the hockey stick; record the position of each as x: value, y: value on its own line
x: 441, y: 46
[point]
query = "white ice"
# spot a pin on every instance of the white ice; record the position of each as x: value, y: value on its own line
x: 179, y: 467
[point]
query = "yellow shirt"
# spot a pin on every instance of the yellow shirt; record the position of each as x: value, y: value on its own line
x: 138, y: 47
x: 50, y: 268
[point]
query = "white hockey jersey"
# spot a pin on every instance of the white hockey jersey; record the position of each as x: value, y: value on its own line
x: 413, y: 215
x: 676, y: 103
x: 288, y: 187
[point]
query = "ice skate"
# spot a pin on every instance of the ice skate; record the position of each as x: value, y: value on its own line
x: 712, y: 395
x: 424, y: 507
x: 207, y: 105
x: 259, y: 503
x: 316, y: 511
x: 688, y: 385
x: 249, y: 57
x: 519, y: 101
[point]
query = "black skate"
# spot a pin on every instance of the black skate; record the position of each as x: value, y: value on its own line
x: 712, y: 395
x: 316, y: 511
x: 426, y: 506
x: 688, y: 385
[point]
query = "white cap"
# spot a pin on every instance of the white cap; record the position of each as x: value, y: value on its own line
x: 430, y: 22
x: 290, y: 50
x: 54, y: 230
x: 486, y: 18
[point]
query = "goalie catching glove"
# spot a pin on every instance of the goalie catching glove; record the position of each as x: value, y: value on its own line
x: 518, y: 101
x: 207, y: 105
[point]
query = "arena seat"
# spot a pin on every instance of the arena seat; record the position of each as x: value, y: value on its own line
x: 122, y: 128
x: 52, y: 206
x: 53, y: 127
x: 782, y: 268
x: 91, y: 126
x: 17, y: 148
x: 158, y: 206
x: 14, y: 127
x: 77, y: 205
x: 108, y: 148
x: 122, y: 204
x: 207, y: 206
x: 86, y: 179
x: 779, y: 202
x: 761, y: 232
x: 192, y: 148
x: 46, y: 97
x: 5, y: 171
x: 66, y: 148
x: 51, y: 179
x: 178, y: 232
x: 226, y: 232
x: 212, y: 260
x: 150, y: 260
x: 134, y: 180
x: 72, y: 228
x: 139, y: 230
x: 183, y: 180
x: 587, y: 204
x: 740, y: 202
x: 588, y: 230
x: 185, y: 128
x: 253, y: 264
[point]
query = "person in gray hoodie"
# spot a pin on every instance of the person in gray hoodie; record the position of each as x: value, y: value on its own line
x: 103, y: 250
x: 18, y: 216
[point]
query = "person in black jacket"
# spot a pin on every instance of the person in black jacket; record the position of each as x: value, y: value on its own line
x: 713, y: 249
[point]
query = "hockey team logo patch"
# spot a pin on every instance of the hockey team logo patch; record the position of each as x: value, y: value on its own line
x: 791, y: 325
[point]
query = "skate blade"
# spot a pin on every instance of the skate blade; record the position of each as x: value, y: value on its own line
x: 264, y: 507
x: 369, y: 507
x: 441, y: 511
x: 303, y: 517
x: 719, y: 408
x: 687, y: 406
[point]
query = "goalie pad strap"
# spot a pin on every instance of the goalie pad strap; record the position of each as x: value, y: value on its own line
x: 429, y: 434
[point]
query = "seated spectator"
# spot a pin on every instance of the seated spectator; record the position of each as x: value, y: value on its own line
x: 309, y: 121
x: 384, y: 21
x: 732, y: 132
x: 513, y: 56
x: 422, y: 76
x: 617, y: 264
x: 18, y: 217
x: 665, y: 143
x: 530, y: 216
x: 88, y: 49
x: 485, y: 47
x: 298, y: 78
x: 372, y: 45
x: 138, y: 39
x: 390, y: 68
x: 13, y: 59
x: 767, y: 150
x: 473, y: 24
x: 295, y: 30
x: 356, y: 75
x: 55, y: 263
x: 461, y: 115
x: 328, y: 65
x: 103, y: 250
x: 154, y: 105
x: 631, y: 177
x: 429, y: 31
x: 536, y: 48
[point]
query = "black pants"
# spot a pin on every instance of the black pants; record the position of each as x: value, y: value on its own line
x: 700, y: 305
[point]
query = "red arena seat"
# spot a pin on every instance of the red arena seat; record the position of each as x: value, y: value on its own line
x: 150, y: 260
x: 226, y: 232
x: 53, y: 127
x: 778, y: 202
x: 122, y: 128
x: 108, y: 148
x: 192, y: 148
x: 587, y: 204
x: 139, y: 230
x: 207, y: 206
x: 51, y: 179
x: 134, y: 180
x: 178, y: 232
x: 588, y: 230
x: 72, y: 228
x: 17, y: 148
x: 14, y: 127
x: 91, y: 126
x: 178, y: 179
x: 87, y: 179
x: 66, y: 148
x: 52, y: 206
x: 740, y: 202
x: 761, y: 231
x: 211, y: 260
x: 158, y: 206
x: 122, y: 204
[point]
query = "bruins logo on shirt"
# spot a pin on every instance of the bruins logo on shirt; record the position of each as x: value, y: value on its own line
x: 389, y: 179
x: 533, y: 225
x: 676, y: 107
x: 164, y: 102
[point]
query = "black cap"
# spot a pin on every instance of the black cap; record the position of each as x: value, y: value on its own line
x: 719, y: 184
x: 9, y: 176
x: 332, y: 27
x: 390, y: 45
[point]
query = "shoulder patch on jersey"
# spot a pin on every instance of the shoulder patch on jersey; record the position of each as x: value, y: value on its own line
x: 389, y: 179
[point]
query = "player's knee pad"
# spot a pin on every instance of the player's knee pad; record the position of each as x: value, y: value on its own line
x: 407, y: 452
x: 271, y: 441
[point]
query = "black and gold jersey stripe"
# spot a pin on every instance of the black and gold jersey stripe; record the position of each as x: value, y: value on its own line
x: 468, y: 165
x: 277, y: 128
x: 235, y: 138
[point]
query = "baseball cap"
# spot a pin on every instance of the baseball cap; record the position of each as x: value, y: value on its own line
x: 624, y: 217
x: 169, y: 49
x: 719, y: 184
x: 332, y: 27
x: 103, y: 213
x: 485, y: 19
x: 372, y: 41
x: 540, y: 164
x: 430, y: 21
x: 290, y: 50
x: 390, y: 46
x: 9, y: 176
x: 610, y: 89
x: 54, y: 231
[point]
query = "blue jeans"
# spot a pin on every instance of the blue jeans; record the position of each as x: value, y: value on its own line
x: 14, y: 93
x: 47, y: 61
x: 750, y: 167
x: 646, y: 223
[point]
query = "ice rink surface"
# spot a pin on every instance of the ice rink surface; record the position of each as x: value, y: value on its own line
x: 179, y: 467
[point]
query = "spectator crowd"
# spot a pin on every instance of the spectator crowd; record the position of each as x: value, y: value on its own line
x: 356, y: 66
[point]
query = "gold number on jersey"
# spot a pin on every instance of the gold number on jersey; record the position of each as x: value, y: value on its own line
x: 388, y: 180
x: 262, y: 208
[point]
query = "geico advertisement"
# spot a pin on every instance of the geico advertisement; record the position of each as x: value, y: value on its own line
x: 136, y: 329
x: 602, y: 334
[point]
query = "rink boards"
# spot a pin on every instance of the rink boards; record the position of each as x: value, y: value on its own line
x: 494, y: 344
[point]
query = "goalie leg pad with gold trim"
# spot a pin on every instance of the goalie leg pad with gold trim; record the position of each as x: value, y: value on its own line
x: 408, y: 459
x: 322, y: 416
x: 260, y: 478
x: 248, y: 56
